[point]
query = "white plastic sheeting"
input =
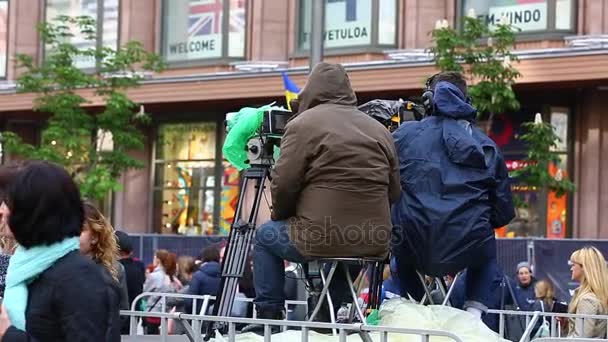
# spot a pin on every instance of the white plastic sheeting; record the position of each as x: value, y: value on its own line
x: 400, y: 313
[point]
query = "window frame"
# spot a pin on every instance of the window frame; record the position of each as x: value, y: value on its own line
x: 8, y: 25
x: 218, y: 119
x: 212, y: 61
x: 373, y: 47
x: 98, y: 29
x: 549, y: 34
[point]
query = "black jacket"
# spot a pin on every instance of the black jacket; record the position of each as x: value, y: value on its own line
x: 70, y: 301
x: 135, y: 273
x: 206, y: 281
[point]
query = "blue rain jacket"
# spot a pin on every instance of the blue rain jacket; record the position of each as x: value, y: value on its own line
x: 455, y: 187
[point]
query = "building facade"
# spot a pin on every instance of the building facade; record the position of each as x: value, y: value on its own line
x: 226, y: 54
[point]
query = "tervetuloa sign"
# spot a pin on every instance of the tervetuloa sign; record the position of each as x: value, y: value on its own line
x: 347, y: 23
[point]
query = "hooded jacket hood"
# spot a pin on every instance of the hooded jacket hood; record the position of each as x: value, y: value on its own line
x: 450, y: 102
x: 328, y: 83
x: 211, y: 268
x: 462, y: 148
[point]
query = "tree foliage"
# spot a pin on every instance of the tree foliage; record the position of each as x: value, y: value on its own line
x: 489, y: 65
x: 542, y: 141
x: 74, y: 136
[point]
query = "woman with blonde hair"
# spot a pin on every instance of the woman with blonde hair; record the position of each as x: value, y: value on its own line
x: 98, y: 241
x: 589, y: 268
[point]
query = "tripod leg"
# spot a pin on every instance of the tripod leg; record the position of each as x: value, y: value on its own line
x: 239, y: 245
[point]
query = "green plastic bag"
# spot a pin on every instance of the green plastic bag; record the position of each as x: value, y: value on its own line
x: 373, y: 318
x: 241, y: 126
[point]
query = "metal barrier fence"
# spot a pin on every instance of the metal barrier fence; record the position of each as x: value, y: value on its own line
x: 194, y: 328
x: 193, y: 331
x: 554, y: 324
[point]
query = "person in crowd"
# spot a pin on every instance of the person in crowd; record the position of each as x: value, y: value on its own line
x: 97, y: 241
x: 135, y: 271
x: 164, y: 280
x: 337, y: 170
x: 185, y: 269
x: 589, y: 269
x: 545, y: 296
x: 149, y: 269
x: 206, y: 280
x: 524, y: 287
x: 456, y: 191
x: 53, y: 293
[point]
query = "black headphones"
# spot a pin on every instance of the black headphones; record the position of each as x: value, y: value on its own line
x: 427, y: 96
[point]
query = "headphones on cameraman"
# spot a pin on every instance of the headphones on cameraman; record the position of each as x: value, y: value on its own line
x: 428, y: 96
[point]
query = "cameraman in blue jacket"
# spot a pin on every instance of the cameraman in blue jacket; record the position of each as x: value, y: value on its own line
x: 455, y: 192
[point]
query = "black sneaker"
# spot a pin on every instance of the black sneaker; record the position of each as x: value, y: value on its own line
x: 265, y: 314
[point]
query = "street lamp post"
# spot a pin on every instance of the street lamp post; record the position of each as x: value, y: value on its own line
x: 316, y: 40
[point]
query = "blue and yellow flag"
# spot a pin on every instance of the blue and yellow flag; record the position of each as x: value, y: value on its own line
x: 291, y: 89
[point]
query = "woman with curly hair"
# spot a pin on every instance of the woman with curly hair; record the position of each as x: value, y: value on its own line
x: 98, y: 241
x: 589, y: 269
x: 7, y: 240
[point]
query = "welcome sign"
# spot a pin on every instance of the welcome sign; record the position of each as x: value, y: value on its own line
x: 193, y: 29
x: 347, y: 23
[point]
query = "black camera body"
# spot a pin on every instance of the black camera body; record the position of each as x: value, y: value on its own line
x: 274, y: 122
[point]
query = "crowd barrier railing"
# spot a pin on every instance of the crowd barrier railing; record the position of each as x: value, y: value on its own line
x: 193, y: 331
x: 533, y: 317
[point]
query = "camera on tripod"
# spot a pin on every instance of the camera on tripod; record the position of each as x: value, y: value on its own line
x: 274, y: 122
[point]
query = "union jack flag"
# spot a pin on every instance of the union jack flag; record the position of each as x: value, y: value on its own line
x: 237, y: 15
x: 205, y: 17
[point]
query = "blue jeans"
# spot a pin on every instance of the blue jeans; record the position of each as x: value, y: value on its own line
x: 272, y: 247
x: 481, y: 287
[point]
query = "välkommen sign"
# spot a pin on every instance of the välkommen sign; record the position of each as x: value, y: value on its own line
x: 526, y: 17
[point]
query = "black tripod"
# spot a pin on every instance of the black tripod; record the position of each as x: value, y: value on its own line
x: 241, y: 232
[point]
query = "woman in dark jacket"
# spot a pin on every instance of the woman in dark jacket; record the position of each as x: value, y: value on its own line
x: 53, y: 293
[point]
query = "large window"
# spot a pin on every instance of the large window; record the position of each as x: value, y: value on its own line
x: 3, y: 36
x: 194, y: 191
x: 544, y: 214
x: 107, y: 19
x: 530, y: 16
x: 200, y: 29
x: 351, y: 23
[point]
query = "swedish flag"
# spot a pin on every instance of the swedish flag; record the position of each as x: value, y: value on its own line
x: 291, y: 89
